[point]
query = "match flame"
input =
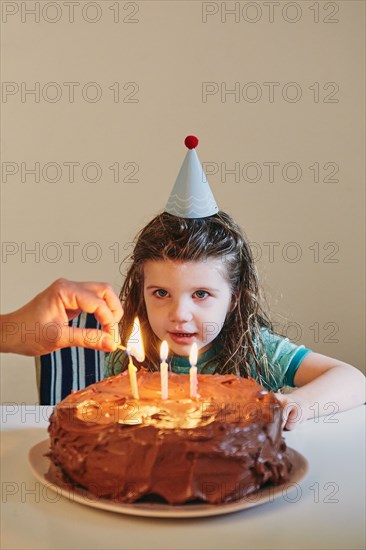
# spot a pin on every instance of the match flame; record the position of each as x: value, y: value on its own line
x: 193, y: 355
x: 164, y: 350
x: 135, y: 345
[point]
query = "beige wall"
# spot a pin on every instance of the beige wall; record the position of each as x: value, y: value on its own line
x: 174, y: 63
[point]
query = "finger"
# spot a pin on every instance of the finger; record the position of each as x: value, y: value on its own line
x: 293, y: 420
x: 113, y: 303
x: 96, y: 298
x: 113, y: 331
x: 93, y: 339
x: 105, y: 316
x: 290, y: 426
x: 106, y: 293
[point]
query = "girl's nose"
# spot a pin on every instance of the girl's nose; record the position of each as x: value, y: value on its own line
x: 180, y: 312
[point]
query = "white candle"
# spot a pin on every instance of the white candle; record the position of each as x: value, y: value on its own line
x: 133, y: 379
x: 164, y: 369
x: 193, y: 382
x: 135, y: 347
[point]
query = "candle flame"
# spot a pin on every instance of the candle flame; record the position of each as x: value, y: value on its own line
x: 164, y: 350
x: 193, y: 355
x: 135, y: 345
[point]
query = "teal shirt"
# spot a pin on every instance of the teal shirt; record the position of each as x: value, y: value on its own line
x: 284, y: 358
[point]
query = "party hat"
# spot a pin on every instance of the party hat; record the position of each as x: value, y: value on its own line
x: 191, y: 196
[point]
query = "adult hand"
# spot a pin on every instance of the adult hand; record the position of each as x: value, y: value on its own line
x: 41, y: 326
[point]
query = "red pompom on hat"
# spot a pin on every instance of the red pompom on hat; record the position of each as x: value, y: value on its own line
x: 191, y: 142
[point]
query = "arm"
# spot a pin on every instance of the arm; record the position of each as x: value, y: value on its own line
x: 41, y: 326
x: 320, y: 380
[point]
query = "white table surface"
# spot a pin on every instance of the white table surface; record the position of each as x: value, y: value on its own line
x: 326, y: 511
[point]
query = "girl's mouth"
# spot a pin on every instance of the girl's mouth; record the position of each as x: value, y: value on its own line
x: 183, y: 337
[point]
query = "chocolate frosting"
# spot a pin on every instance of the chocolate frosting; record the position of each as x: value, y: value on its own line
x: 217, y: 448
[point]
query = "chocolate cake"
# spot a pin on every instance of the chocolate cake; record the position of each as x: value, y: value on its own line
x: 217, y: 448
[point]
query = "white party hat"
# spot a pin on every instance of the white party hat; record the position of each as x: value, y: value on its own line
x: 191, y: 196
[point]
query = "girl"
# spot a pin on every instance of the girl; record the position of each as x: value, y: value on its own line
x: 194, y: 280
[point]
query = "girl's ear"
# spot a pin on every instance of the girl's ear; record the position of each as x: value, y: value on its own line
x: 234, y: 302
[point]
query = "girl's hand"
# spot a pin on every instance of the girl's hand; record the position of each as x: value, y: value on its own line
x: 294, y: 410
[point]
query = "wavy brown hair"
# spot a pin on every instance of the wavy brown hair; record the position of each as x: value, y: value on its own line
x: 173, y: 238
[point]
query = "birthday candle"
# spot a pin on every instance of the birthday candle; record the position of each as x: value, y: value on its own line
x: 193, y: 382
x: 164, y: 369
x: 135, y: 347
x: 133, y: 379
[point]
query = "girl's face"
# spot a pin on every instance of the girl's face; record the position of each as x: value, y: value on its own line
x: 186, y: 302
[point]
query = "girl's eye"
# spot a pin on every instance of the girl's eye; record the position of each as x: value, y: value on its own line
x: 201, y: 294
x: 160, y: 293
